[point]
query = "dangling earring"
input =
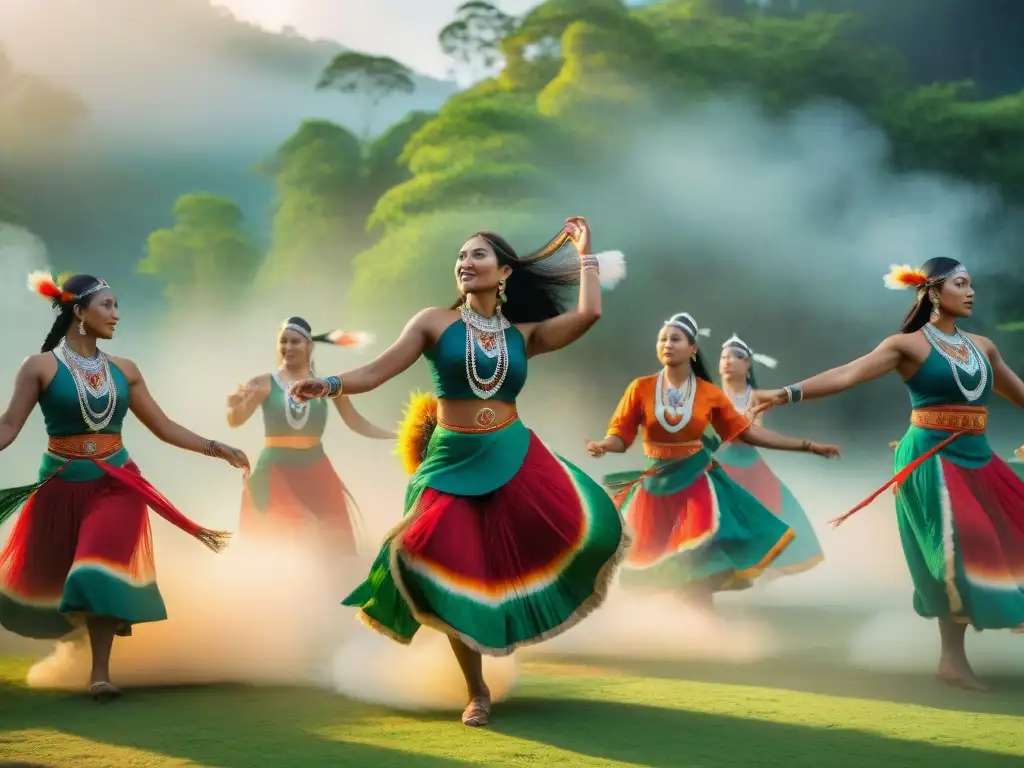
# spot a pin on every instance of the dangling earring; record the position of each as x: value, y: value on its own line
x: 502, y: 298
x: 81, y: 327
x: 935, y: 306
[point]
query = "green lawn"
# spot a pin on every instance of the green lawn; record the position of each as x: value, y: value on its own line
x: 792, y: 713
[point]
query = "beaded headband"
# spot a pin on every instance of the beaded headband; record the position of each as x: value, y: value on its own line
x: 684, y: 321
x: 286, y: 326
x: 735, y: 342
x: 43, y: 284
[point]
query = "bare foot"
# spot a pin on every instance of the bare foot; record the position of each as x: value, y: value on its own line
x: 478, y: 713
x: 959, y: 675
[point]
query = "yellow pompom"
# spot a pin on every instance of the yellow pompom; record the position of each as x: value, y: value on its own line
x: 414, y: 431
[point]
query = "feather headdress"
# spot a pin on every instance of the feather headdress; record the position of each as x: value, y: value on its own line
x: 350, y: 339
x: 43, y: 284
x: 900, y: 277
x: 737, y: 343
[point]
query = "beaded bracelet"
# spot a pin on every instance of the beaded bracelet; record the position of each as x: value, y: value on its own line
x: 334, y: 386
x: 794, y: 393
x: 210, y: 449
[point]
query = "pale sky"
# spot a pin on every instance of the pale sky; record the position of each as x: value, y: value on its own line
x: 403, y: 29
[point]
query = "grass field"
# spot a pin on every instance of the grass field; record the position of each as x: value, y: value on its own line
x: 793, y: 713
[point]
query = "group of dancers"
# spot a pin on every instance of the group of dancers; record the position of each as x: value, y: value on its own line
x: 503, y: 543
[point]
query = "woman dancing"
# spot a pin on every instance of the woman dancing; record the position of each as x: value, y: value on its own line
x: 695, y: 530
x: 503, y: 544
x: 293, y: 480
x: 81, y: 550
x: 960, y: 508
x: 744, y: 464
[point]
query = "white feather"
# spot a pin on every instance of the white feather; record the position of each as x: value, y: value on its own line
x: 37, y: 278
x: 767, y: 362
x: 890, y: 281
x: 612, y: 268
x: 704, y: 332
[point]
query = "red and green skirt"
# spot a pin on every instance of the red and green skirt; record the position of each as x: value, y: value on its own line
x: 693, y: 525
x: 747, y: 468
x: 503, y: 543
x: 82, y: 545
x: 292, y: 488
x: 961, y: 523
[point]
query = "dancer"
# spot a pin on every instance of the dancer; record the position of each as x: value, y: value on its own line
x: 744, y: 464
x: 293, y: 480
x: 695, y: 530
x: 503, y: 544
x: 81, y: 550
x: 960, y: 508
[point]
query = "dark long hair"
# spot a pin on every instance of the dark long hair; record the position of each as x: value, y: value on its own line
x: 535, y: 291
x: 75, y: 285
x: 937, y: 270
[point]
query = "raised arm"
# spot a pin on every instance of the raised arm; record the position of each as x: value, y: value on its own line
x: 27, y: 386
x: 562, y: 330
x: 243, y: 402
x: 156, y: 421
x: 1005, y: 382
x: 357, y: 423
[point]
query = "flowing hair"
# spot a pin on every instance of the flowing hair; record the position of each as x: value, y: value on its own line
x: 535, y: 290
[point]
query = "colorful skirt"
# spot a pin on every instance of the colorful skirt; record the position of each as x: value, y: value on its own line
x: 292, y: 487
x: 961, y: 523
x: 82, y: 545
x: 692, y: 524
x: 745, y: 466
x: 503, y: 544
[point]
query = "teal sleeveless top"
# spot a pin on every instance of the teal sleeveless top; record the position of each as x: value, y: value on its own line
x: 447, y: 361
x: 62, y: 412
x: 933, y: 385
x: 276, y: 409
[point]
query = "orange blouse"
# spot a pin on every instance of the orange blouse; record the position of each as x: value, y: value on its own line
x: 710, y: 406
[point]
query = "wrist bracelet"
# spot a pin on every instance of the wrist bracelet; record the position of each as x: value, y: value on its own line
x: 794, y: 393
x: 210, y: 449
x: 334, y: 386
x: 805, y: 446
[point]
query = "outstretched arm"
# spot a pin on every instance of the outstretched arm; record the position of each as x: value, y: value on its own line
x: 392, y: 361
x: 355, y: 421
x: 27, y: 385
x: 156, y: 421
x: 1005, y: 382
x: 881, y: 360
x: 562, y: 330
x: 760, y: 437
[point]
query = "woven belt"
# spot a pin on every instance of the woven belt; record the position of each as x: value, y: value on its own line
x: 486, y: 422
x: 672, y: 450
x: 966, y: 418
x: 291, y: 441
x: 85, y: 446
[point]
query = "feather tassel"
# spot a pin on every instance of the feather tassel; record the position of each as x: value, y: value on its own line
x: 767, y: 362
x: 612, y: 268
x: 349, y: 339
x: 43, y: 284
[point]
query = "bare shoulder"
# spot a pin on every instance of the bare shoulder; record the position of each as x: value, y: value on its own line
x: 984, y: 343
x: 127, y: 367
x: 433, y: 321
x: 41, y: 366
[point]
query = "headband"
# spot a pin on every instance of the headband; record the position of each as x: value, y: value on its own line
x: 685, y: 322
x: 735, y: 342
x: 904, y: 276
x: 43, y: 284
x: 286, y: 326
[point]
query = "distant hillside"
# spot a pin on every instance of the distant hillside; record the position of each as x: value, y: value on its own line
x: 180, y: 96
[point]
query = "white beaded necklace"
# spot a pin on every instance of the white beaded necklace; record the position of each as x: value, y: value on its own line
x: 92, y: 377
x: 680, y: 402
x: 974, y: 363
x: 296, y: 414
x: 487, y: 333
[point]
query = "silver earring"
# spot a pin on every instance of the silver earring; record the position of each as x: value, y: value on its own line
x: 502, y: 298
x: 81, y: 327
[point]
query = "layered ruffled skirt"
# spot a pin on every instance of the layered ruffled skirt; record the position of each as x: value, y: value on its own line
x: 82, y: 545
x: 503, y: 544
x: 961, y: 523
x: 296, y: 489
x: 692, y: 524
x: 747, y: 468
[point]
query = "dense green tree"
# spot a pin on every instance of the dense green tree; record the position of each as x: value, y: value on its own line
x: 205, y: 255
x: 473, y: 38
x: 375, y: 77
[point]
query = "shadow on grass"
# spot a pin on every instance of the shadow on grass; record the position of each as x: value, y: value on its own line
x: 676, y: 738
x: 229, y: 726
